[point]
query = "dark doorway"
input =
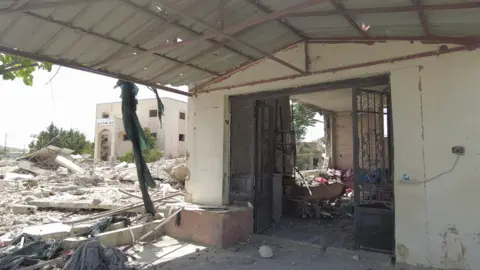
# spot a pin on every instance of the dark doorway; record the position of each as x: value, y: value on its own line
x: 264, y: 163
x: 374, y: 209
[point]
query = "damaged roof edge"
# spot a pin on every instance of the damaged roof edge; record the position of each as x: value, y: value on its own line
x: 76, y: 66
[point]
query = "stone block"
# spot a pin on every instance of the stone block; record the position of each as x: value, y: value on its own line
x: 23, y: 209
x: 219, y: 229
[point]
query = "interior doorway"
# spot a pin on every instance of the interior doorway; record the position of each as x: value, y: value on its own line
x: 344, y: 196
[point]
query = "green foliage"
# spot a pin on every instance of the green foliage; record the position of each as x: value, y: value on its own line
x: 72, y: 139
x: 150, y: 155
x: 89, y: 149
x: 304, y: 117
x: 151, y: 141
x: 15, y: 67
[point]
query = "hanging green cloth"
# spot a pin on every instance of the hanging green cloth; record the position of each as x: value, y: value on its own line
x: 135, y: 133
x: 160, y: 107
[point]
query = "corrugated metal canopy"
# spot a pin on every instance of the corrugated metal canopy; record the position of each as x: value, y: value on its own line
x: 185, y: 41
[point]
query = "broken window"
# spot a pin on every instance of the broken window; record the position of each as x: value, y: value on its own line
x: 182, y: 115
x: 153, y: 113
x: 105, y: 115
x: 154, y: 135
x: 181, y: 137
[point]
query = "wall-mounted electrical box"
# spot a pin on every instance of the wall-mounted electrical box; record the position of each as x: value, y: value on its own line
x: 458, y: 150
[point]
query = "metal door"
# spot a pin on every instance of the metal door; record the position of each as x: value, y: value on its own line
x: 264, y: 156
x: 373, y: 166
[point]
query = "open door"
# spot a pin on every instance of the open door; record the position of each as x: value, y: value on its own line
x: 264, y: 163
x: 373, y: 167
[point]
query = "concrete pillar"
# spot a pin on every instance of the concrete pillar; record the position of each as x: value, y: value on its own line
x: 96, y: 147
x: 113, y: 142
x: 207, y: 151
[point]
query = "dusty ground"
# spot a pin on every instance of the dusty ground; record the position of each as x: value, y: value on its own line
x: 167, y: 253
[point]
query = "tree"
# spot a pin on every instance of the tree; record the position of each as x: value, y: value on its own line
x: 52, y: 135
x: 303, y: 117
x: 151, y: 154
x: 15, y: 67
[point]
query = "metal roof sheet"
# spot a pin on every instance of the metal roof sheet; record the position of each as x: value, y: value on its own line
x: 135, y: 39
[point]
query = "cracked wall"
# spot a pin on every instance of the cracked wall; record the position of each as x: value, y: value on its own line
x: 427, y: 121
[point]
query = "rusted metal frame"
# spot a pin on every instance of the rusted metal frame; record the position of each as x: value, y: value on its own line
x: 380, y: 10
x: 199, y: 21
x: 77, y: 29
x: 81, y: 67
x: 341, y: 10
x: 354, y: 66
x: 45, y: 5
x: 284, y: 22
x: 421, y: 16
x: 183, y: 27
x: 237, y: 28
x: 440, y: 39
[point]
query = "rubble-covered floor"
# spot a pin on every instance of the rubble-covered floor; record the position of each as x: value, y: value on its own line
x: 171, y: 254
x: 337, y: 233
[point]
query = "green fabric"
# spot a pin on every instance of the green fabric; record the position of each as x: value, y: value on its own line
x: 160, y: 107
x: 135, y: 133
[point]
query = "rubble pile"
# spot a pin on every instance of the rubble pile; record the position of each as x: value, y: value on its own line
x: 322, y: 194
x: 53, y: 195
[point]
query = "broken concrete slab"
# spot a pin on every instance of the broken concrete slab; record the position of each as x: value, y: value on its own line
x: 17, y: 176
x: 30, y: 166
x: 68, y: 164
x: 77, y: 205
x: 56, y: 231
x: 62, y: 171
x: 23, y: 209
x: 117, y: 238
x: 180, y: 172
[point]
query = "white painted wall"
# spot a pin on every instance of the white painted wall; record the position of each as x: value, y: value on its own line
x: 167, y: 134
x: 435, y: 106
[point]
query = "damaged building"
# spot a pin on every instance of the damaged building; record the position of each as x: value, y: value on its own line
x: 395, y: 82
x: 111, y: 141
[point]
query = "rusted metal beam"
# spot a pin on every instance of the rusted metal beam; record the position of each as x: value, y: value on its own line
x: 340, y: 9
x: 439, y: 39
x: 179, y: 11
x: 422, y: 17
x: 349, y: 67
x: 80, y: 30
x: 284, y: 22
x: 78, y: 66
x: 239, y: 27
x: 380, y: 10
x: 45, y: 4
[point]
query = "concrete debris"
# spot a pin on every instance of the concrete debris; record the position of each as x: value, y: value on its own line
x: 54, y: 194
x: 29, y: 166
x: 62, y: 171
x: 68, y: 164
x: 356, y: 257
x: 17, y: 176
x: 23, y: 209
x: 180, y: 172
x: 265, y: 252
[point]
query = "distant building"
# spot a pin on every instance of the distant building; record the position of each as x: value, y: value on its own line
x: 111, y: 141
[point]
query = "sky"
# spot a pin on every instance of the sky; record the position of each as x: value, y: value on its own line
x: 69, y: 101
